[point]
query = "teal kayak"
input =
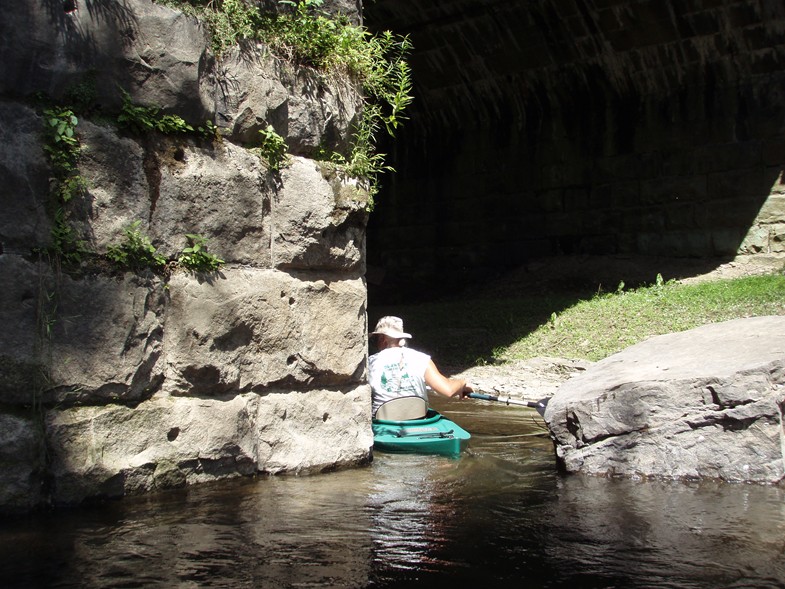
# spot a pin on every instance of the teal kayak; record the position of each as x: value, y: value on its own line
x: 433, y: 434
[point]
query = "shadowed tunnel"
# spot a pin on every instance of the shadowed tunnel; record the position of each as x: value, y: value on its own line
x: 579, y: 127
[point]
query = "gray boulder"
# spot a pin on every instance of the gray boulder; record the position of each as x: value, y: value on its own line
x: 702, y: 404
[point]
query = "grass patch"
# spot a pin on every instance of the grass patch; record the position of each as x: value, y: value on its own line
x: 596, y: 328
x: 477, y: 330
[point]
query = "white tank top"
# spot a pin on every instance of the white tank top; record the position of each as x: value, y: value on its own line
x: 397, y: 372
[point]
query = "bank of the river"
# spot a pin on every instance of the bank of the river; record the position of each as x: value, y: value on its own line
x: 531, y: 379
x: 525, y: 313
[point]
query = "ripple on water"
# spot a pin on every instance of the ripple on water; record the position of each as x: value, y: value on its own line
x: 498, y: 515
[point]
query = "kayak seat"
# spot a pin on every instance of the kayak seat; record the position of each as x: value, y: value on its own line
x: 402, y: 409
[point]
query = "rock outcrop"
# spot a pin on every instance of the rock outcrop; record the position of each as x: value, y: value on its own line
x: 702, y: 404
x: 116, y: 382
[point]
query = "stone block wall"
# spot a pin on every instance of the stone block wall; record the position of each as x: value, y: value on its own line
x: 652, y: 128
x: 115, y: 382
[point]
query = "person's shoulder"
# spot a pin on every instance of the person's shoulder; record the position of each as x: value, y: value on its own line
x: 379, y: 354
x: 417, y: 353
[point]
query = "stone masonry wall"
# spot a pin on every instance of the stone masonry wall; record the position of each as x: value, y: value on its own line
x: 124, y: 382
x: 644, y: 127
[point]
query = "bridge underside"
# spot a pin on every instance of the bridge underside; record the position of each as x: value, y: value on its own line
x: 649, y: 127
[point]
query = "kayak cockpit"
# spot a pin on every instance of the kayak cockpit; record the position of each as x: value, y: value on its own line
x: 431, y: 434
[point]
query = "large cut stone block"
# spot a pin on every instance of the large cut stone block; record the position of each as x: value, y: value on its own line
x: 219, y: 193
x: 251, y: 329
x: 25, y: 309
x: 314, y: 431
x: 158, y: 54
x: 170, y: 442
x: 24, y: 180
x: 311, y: 111
x: 105, y: 340
x: 163, y: 443
x: 21, y: 463
x: 118, y: 191
x: 319, y: 220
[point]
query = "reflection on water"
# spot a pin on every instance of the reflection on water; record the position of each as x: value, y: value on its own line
x: 499, y: 514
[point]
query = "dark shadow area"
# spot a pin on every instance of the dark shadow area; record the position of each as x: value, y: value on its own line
x: 464, y: 328
x: 560, y: 131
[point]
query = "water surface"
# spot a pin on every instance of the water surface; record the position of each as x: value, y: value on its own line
x: 500, y: 515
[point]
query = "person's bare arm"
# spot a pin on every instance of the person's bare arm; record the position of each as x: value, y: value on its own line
x: 449, y: 387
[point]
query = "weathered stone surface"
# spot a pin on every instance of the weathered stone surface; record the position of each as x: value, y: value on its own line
x: 118, y: 190
x: 156, y: 53
x: 319, y: 220
x: 221, y: 194
x: 24, y: 180
x: 21, y: 450
x: 321, y: 114
x: 314, y: 431
x: 252, y: 329
x: 704, y: 403
x: 175, y: 188
x: 252, y: 95
x: 311, y: 112
x: 169, y: 442
x: 165, y: 442
x: 105, y: 340
x: 149, y: 381
x: 21, y: 309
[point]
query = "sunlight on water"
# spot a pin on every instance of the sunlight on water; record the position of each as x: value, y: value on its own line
x: 498, y: 515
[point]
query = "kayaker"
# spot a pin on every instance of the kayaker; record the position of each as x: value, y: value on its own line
x: 399, y: 371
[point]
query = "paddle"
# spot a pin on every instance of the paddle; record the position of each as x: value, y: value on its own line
x: 538, y: 405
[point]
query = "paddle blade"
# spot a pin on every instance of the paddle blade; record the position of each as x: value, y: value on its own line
x: 539, y: 405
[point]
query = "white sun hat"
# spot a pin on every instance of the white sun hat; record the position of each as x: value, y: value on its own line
x: 390, y: 326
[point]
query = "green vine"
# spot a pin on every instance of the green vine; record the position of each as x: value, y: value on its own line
x: 62, y: 146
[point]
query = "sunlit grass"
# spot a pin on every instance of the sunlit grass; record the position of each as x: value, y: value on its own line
x: 603, y: 325
x: 485, y: 329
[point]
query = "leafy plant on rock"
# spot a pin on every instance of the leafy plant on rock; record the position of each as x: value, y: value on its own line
x: 143, y: 119
x: 62, y: 145
x: 63, y: 149
x: 66, y: 243
x: 273, y: 147
x: 309, y: 37
x: 195, y: 256
x: 136, y: 252
x: 306, y: 36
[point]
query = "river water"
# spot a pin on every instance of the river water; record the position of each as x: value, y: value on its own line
x: 499, y: 515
